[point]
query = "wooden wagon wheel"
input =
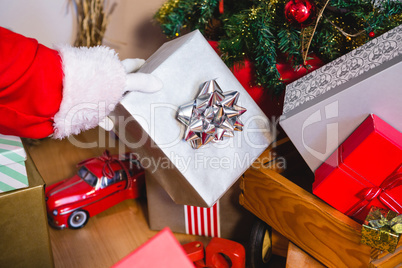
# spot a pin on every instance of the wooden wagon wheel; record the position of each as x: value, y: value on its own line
x: 259, y: 250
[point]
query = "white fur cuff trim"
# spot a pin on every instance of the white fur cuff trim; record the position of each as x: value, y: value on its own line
x: 94, y: 81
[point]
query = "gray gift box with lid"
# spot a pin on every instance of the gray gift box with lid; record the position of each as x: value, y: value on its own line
x: 324, y: 107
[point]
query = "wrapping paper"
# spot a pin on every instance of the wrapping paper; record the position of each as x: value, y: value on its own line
x: 162, y: 250
x: 13, y: 174
x: 147, y: 124
x: 366, y: 170
x: 24, y: 233
x: 381, y: 238
x: 324, y: 107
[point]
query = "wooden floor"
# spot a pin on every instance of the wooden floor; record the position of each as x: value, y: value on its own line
x: 106, y: 239
x: 110, y: 235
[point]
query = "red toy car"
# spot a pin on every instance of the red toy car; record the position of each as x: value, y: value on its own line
x: 100, y: 183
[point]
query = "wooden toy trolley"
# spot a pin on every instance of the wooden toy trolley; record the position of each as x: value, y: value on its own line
x: 310, y: 224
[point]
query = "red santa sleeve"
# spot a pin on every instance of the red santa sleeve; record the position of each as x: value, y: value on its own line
x: 30, y: 86
x: 57, y: 92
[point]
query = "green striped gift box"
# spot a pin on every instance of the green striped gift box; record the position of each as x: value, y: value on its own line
x: 13, y: 174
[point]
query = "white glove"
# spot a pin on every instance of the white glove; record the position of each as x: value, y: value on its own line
x: 94, y: 82
x: 135, y: 82
x: 139, y: 81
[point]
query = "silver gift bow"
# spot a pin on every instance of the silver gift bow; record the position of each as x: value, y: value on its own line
x: 211, y: 116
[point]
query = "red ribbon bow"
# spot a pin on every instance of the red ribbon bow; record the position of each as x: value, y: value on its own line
x: 108, y: 159
x: 370, y: 193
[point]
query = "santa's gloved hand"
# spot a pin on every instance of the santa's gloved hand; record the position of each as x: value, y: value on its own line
x: 61, y: 91
x: 94, y: 82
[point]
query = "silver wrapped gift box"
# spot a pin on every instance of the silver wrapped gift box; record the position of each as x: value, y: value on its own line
x: 148, y: 124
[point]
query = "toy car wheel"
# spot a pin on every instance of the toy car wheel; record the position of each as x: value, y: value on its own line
x: 260, y: 244
x: 78, y: 219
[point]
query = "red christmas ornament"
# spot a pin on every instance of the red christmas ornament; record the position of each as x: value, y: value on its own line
x: 372, y: 34
x: 301, y: 12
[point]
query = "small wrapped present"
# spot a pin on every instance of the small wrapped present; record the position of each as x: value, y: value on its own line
x: 382, y: 229
x: 365, y: 171
x: 324, y: 107
x: 13, y: 174
x: 24, y: 231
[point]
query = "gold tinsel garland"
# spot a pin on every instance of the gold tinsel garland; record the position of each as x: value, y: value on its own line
x: 167, y: 8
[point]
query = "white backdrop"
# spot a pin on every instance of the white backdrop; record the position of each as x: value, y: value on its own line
x: 49, y: 21
x: 131, y: 31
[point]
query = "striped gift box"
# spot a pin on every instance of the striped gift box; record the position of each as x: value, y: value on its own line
x: 13, y: 174
x: 202, y: 221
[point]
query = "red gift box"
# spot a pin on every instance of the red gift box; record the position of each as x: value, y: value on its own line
x: 365, y: 171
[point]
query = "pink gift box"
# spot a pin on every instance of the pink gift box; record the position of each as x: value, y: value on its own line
x: 162, y: 250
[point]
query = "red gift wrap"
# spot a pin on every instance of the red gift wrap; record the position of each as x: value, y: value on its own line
x: 365, y: 171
